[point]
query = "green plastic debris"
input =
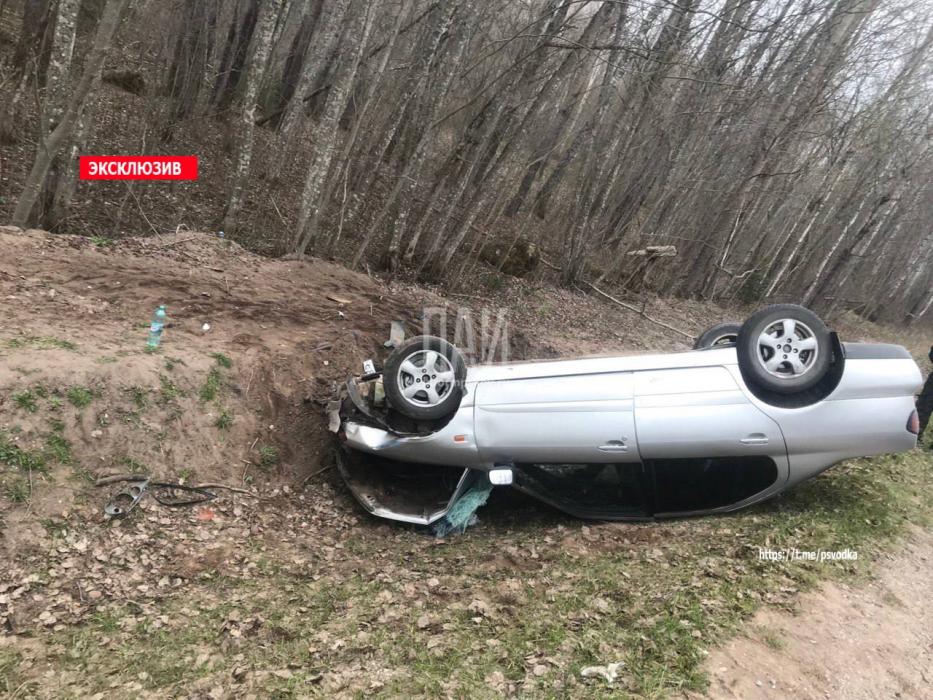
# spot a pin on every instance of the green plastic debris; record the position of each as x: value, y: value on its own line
x: 462, y: 514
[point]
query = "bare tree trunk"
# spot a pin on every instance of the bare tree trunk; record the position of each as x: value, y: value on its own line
x: 57, y: 79
x: 31, y: 47
x: 363, y: 113
x: 294, y: 60
x: 405, y: 179
x: 193, y: 49
x: 60, y: 136
x: 236, y: 48
x: 28, y: 61
x: 326, y: 38
x: 261, y: 46
x: 325, y: 132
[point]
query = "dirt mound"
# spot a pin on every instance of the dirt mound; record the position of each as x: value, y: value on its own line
x: 251, y: 348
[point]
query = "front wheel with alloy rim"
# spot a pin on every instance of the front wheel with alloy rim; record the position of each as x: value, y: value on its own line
x: 423, y: 378
x: 784, y: 348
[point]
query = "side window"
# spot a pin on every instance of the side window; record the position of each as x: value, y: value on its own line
x: 608, y: 490
x: 684, y: 485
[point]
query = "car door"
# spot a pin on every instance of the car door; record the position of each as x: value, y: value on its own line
x: 705, y: 445
x: 585, y: 418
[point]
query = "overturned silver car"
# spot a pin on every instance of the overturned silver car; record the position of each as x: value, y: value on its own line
x: 753, y: 410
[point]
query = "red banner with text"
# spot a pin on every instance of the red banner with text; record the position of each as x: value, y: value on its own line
x: 138, y: 167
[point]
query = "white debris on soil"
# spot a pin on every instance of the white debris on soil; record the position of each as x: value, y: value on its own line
x: 609, y: 672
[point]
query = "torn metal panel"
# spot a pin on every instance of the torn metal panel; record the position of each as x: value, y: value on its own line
x: 408, y: 493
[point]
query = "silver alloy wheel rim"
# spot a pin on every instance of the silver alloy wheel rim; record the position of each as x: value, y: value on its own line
x: 426, y: 378
x: 787, y: 349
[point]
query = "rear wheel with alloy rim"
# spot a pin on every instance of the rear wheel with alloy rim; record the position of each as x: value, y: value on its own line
x: 784, y: 348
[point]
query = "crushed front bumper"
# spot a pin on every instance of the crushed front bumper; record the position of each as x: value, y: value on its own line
x: 404, y: 472
x: 370, y: 428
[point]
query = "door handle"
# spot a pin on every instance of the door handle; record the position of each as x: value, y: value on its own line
x: 614, y: 446
x: 755, y: 439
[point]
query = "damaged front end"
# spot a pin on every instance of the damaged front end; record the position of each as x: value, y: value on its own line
x: 399, y: 468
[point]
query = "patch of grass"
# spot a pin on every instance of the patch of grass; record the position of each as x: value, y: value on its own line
x: 82, y: 474
x: 42, y: 342
x: 17, y: 490
x: 56, y: 527
x: 268, y: 456
x: 57, y: 448
x: 140, y: 397
x: 222, y: 360
x: 211, y: 385
x: 170, y: 363
x: 168, y: 391
x: 130, y: 417
x: 9, y: 661
x: 25, y: 372
x: 224, y: 420
x: 133, y: 465
x: 79, y: 396
x: 493, y: 282
x: 105, y: 360
x: 15, y: 456
x: 772, y: 639
x: 10, y: 680
x: 102, y: 241
x: 26, y: 400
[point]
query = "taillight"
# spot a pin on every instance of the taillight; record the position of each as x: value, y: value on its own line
x: 913, y: 423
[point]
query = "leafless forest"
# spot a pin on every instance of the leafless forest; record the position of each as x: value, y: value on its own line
x: 782, y: 147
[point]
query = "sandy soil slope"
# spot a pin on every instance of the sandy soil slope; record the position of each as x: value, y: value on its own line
x: 853, y: 642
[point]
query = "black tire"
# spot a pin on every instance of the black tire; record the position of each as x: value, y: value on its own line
x: 397, y: 381
x: 799, y: 363
x: 725, y: 334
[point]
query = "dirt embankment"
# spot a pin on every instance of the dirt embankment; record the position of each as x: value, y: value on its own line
x: 251, y: 348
